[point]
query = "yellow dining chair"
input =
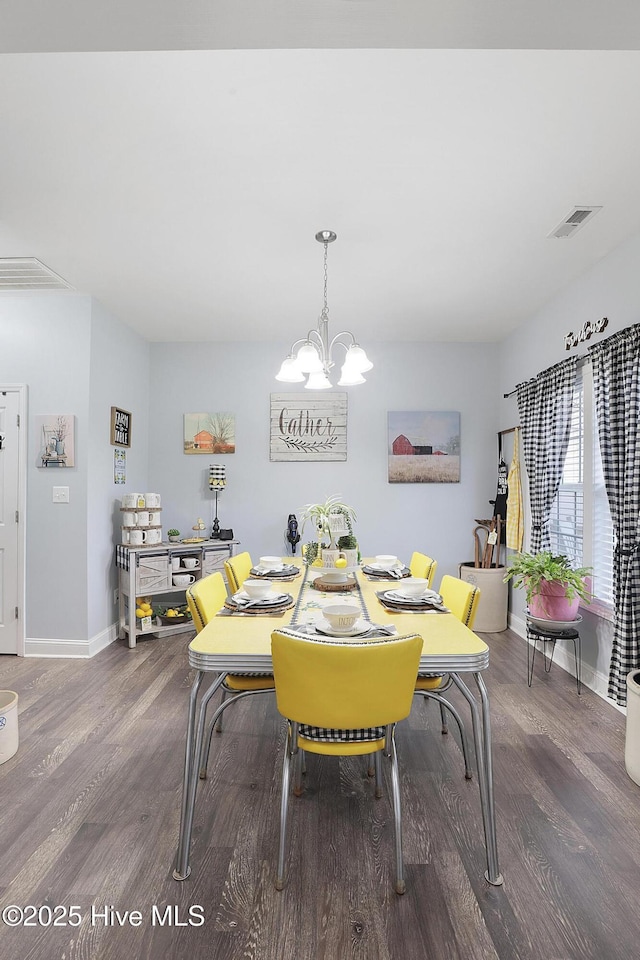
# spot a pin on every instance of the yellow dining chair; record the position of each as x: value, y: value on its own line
x: 238, y: 569
x: 461, y: 598
x: 205, y: 598
x: 423, y: 566
x: 343, y: 699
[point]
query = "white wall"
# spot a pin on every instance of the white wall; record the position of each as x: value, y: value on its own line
x: 77, y: 360
x: 610, y: 289
x: 119, y: 377
x: 399, y: 518
x: 45, y: 342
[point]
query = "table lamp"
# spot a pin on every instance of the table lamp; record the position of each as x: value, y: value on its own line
x: 217, y: 483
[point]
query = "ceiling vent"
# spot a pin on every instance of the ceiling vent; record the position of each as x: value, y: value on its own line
x: 573, y: 221
x: 27, y: 273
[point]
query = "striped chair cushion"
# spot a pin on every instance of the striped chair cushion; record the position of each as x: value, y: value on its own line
x: 327, y: 735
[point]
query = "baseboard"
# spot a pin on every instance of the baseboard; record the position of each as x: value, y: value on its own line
x: 563, y: 656
x: 77, y: 649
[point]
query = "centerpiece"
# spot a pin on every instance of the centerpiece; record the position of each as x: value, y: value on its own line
x: 334, y: 537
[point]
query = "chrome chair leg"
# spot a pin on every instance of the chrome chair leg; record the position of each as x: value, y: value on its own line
x: 284, y: 806
x: 219, y: 726
x: 443, y: 719
x: 464, y: 740
x: 397, y: 814
x: 206, y: 740
x: 377, y: 766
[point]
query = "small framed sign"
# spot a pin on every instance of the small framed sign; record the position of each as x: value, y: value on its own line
x: 120, y: 427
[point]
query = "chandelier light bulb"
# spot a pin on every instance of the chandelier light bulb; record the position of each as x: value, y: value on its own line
x: 357, y: 358
x: 350, y: 377
x: 318, y: 380
x: 308, y: 359
x: 290, y: 371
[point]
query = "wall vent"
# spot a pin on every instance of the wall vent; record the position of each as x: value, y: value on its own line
x: 27, y: 273
x: 573, y: 221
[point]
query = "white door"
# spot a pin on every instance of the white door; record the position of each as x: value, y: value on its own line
x: 10, y: 580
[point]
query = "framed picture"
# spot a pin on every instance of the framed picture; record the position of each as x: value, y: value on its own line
x: 424, y: 446
x: 120, y: 427
x: 308, y: 427
x: 119, y: 466
x: 209, y: 433
x: 56, y: 440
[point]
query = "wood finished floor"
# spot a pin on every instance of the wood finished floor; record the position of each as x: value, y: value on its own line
x: 89, y: 814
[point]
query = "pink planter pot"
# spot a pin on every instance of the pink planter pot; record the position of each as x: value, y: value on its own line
x: 552, y: 604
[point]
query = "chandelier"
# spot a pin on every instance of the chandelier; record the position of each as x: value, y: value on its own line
x: 314, y: 358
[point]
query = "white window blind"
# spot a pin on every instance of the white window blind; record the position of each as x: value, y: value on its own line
x: 580, y: 524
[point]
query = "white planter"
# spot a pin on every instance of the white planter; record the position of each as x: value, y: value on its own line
x: 8, y: 724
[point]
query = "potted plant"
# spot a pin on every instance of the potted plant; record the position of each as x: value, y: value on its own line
x: 321, y: 515
x: 174, y: 535
x: 553, y: 588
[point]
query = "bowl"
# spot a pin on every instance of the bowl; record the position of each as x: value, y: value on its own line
x: 414, y: 586
x: 270, y: 563
x: 257, y: 589
x: 342, y: 617
x: 387, y: 560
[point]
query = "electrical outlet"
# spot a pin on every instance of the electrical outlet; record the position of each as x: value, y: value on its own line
x: 60, y: 495
x: 116, y: 595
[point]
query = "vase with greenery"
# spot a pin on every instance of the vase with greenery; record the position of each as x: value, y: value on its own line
x: 552, y: 586
x: 320, y: 515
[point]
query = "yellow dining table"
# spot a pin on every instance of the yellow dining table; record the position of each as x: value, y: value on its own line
x: 241, y: 642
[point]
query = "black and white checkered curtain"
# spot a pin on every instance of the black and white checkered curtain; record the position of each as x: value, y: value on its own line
x: 544, y: 405
x: 616, y: 384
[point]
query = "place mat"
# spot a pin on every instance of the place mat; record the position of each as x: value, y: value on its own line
x: 373, y: 574
x: 271, y: 610
x: 376, y: 631
x: 288, y: 572
x: 427, y: 606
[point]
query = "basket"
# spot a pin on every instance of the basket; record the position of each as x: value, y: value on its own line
x: 169, y: 621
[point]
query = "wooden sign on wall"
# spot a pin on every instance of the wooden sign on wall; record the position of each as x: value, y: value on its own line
x: 308, y: 426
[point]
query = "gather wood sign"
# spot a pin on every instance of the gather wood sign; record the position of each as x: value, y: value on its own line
x: 308, y: 427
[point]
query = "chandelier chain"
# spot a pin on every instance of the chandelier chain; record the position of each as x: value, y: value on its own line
x: 325, y: 309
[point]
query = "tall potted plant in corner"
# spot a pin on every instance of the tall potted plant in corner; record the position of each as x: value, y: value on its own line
x: 553, y: 588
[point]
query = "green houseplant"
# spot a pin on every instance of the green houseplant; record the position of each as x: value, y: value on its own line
x: 320, y: 515
x: 553, y: 588
x: 173, y: 535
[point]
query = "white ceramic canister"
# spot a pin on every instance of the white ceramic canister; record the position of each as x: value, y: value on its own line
x: 154, y: 518
x: 130, y: 500
x: 128, y: 519
x: 143, y: 518
x: 137, y: 536
x: 154, y: 535
x: 152, y: 499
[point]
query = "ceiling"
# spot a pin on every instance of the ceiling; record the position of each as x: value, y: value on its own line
x: 176, y: 159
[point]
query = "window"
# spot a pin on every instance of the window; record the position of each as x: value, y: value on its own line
x: 580, y: 523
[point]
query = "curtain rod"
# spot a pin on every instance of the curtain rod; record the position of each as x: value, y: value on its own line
x: 581, y: 359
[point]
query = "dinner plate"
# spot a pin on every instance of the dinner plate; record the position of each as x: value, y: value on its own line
x: 385, y: 568
x: 273, y: 601
x: 358, y: 629
x: 429, y: 596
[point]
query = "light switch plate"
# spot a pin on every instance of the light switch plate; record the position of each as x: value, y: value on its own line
x: 61, y: 494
